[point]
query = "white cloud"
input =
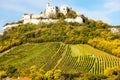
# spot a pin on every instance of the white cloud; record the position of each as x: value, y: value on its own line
x: 112, y: 5
x: 15, y: 7
x: 36, y: 3
x: 95, y: 14
x: 108, y: 8
x: 23, y: 5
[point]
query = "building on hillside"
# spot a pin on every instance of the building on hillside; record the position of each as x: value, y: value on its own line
x: 64, y: 9
x: 55, y: 9
x: 45, y: 17
x: 78, y: 19
x: 51, y: 10
x: 8, y: 26
x: 114, y: 30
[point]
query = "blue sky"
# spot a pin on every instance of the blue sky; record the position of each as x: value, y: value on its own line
x: 106, y: 10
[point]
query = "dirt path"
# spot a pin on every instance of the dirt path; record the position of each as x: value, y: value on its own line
x: 5, y: 52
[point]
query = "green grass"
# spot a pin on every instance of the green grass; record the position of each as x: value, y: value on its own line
x: 69, y: 58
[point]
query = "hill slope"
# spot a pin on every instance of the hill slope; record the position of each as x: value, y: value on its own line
x: 69, y: 58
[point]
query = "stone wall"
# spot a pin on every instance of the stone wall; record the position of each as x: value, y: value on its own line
x: 9, y: 26
x: 64, y: 9
x: 77, y: 19
x: 36, y: 21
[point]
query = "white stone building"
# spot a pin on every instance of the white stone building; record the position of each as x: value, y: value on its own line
x: 44, y: 17
x: 8, y: 26
x: 78, y: 19
x: 64, y: 9
x: 55, y: 9
x: 114, y: 30
x: 51, y: 10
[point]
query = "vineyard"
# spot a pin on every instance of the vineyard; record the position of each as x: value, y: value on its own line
x: 79, y: 58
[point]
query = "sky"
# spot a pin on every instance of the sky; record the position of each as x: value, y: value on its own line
x: 106, y: 10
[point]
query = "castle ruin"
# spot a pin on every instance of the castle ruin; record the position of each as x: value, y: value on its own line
x: 44, y: 17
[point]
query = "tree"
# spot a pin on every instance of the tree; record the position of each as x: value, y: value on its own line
x: 36, y: 74
x: 71, y: 14
x: 53, y: 16
x: 112, y: 71
x: 60, y: 15
x: 57, y: 74
x: 49, y: 75
x: 85, y: 19
x: 106, y: 35
x: 2, y: 74
x: 101, y: 24
x: 91, y: 23
x: 11, y: 71
x: 33, y: 70
x: 116, y: 51
x: 88, y: 76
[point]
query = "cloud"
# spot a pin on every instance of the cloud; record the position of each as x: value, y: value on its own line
x: 95, y: 14
x: 15, y: 8
x: 104, y: 11
x: 23, y: 6
x: 112, y: 5
x: 36, y: 3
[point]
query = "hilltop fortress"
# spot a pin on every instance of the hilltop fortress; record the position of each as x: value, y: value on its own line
x: 49, y: 15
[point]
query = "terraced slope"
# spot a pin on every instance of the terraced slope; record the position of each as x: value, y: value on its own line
x: 30, y: 54
x: 67, y: 57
